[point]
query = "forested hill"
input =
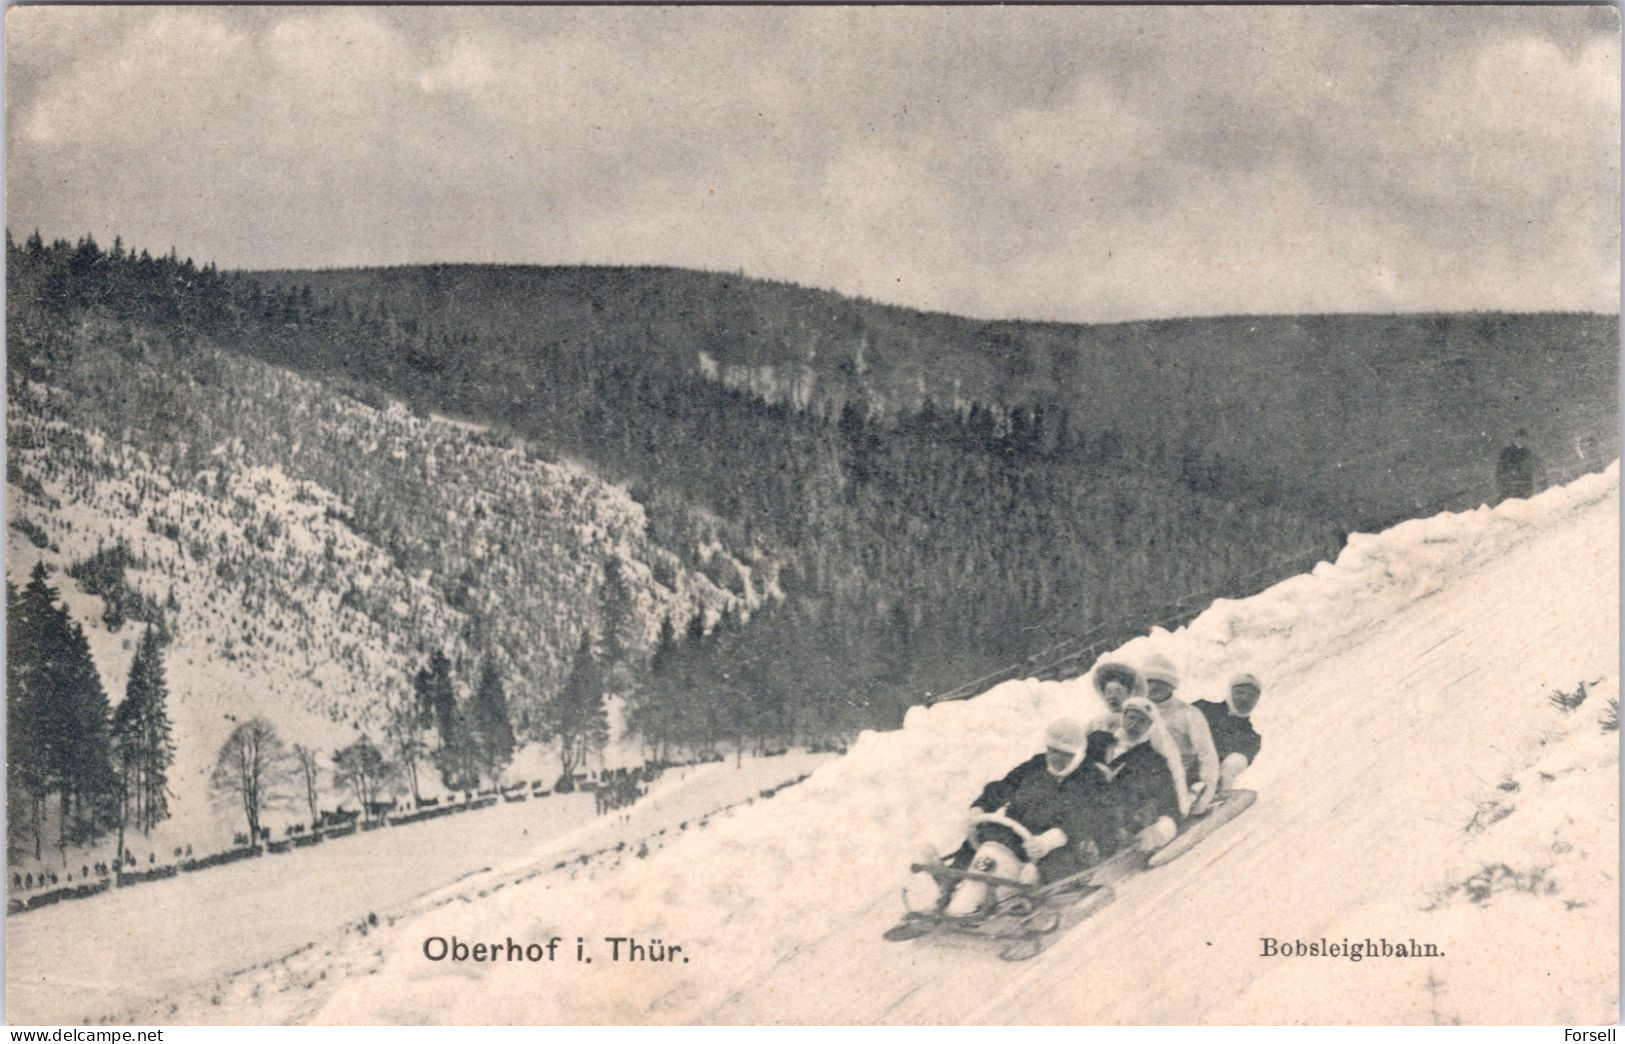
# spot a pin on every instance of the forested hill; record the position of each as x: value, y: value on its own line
x: 320, y: 495
x: 1368, y: 417
x: 913, y: 552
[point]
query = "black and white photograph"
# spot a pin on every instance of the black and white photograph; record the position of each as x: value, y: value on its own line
x: 977, y: 515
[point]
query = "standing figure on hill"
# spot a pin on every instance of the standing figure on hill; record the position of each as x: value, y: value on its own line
x: 1189, y: 731
x: 1517, y: 472
x: 1230, y: 723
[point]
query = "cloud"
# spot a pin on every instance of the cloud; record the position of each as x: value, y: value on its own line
x: 162, y: 75
x: 1091, y: 163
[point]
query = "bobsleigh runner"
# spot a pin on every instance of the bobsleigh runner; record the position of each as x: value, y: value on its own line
x: 1027, y: 917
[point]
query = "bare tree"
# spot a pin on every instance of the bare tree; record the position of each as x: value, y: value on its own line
x: 403, y: 729
x: 363, y: 769
x: 253, y: 767
x: 309, y: 770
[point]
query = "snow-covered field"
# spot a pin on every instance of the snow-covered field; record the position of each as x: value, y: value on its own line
x: 120, y: 956
x: 1409, y: 744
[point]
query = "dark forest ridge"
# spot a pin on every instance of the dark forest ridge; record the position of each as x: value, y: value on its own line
x: 1371, y: 417
x: 301, y: 276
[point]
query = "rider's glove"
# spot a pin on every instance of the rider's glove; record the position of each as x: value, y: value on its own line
x: 1045, y: 843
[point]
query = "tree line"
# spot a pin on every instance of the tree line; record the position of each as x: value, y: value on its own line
x: 464, y: 740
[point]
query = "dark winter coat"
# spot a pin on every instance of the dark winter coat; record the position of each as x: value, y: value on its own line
x: 1037, y: 800
x: 998, y: 793
x: 1139, y: 788
x: 1232, y: 734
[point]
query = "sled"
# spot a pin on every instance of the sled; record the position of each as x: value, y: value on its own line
x: 1229, y: 805
x: 1020, y: 892
x: 1026, y: 917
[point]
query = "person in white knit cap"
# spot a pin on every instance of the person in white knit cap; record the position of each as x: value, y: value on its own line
x: 1020, y: 826
x: 1117, y: 681
x: 1234, y: 736
x: 1189, y: 730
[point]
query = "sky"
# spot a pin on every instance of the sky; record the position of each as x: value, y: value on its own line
x: 1080, y: 163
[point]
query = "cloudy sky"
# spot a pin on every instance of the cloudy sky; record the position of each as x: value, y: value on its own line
x: 1077, y: 163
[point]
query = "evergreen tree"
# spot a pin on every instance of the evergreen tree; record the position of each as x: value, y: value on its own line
x: 493, y: 731
x: 615, y: 619
x: 143, y: 737
x: 34, y: 745
x: 90, y: 757
x: 766, y: 647
x: 577, y: 717
x: 665, y: 650
x: 436, y: 697
x: 63, y: 741
x: 728, y: 690
x: 698, y: 720
x: 457, y: 756
x: 649, y: 709
x: 27, y: 780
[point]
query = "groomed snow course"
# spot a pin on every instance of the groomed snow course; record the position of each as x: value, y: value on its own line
x: 1401, y: 684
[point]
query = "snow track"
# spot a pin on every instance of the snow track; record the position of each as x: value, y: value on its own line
x: 1373, y: 756
x: 1408, y: 745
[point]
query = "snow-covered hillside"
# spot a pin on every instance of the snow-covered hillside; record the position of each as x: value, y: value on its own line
x: 1416, y: 782
x: 310, y: 553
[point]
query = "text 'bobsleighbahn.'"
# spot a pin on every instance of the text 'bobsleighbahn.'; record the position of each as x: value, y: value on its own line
x: 1355, y: 950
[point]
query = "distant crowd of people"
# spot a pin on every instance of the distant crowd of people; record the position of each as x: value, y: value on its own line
x: 28, y: 880
x: 620, y: 787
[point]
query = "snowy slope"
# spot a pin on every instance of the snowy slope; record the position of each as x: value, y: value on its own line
x: 284, y: 606
x: 1409, y: 741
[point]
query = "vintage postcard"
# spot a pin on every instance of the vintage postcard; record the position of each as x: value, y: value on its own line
x: 772, y: 515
